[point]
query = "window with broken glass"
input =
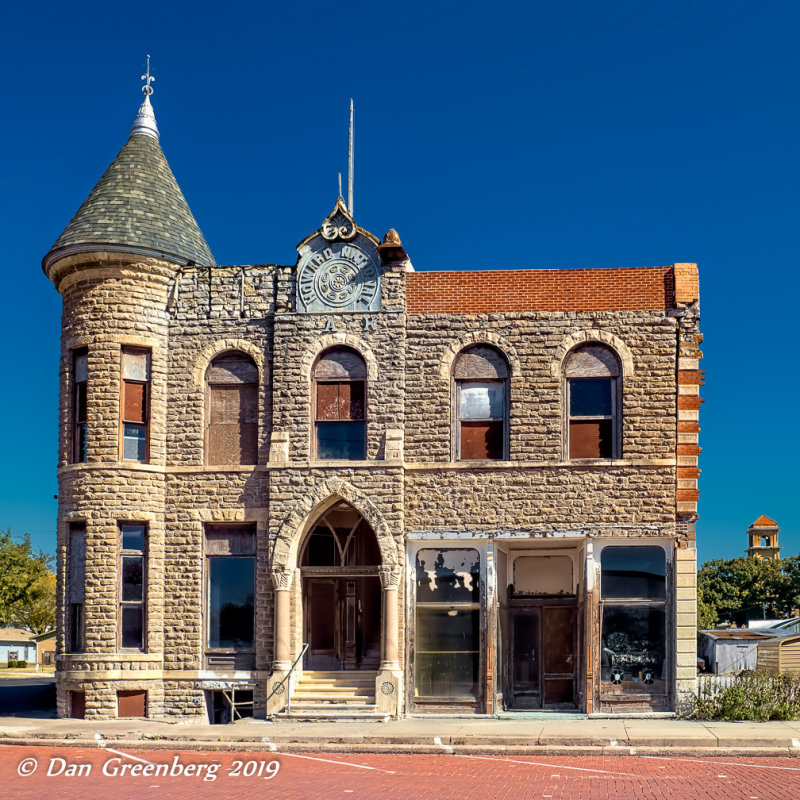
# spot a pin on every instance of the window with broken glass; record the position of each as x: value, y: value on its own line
x: 633, y: 619
x: 340, y: 410
x: 135, y: 405
x: 80, y: 377
x: 132, y: 585
x: 230, y: 571
x: 481, y: 401
x: 447, y: 644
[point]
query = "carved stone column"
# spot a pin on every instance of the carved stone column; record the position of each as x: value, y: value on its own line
x: 390, y: 580
x: 282, y: 656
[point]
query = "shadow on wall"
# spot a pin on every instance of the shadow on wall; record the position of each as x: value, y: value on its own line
x: 28, y: 697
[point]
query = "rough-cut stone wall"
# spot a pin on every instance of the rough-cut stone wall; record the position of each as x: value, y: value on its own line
x: 533, y: 341
x: 110, y: 301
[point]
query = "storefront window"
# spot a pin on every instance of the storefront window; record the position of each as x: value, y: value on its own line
x: 447, y: 623
x: 633, y: 590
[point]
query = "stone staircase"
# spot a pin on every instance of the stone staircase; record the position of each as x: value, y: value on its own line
x: 334, y: 695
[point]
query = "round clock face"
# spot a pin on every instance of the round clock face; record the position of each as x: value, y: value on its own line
x: 340, y: 276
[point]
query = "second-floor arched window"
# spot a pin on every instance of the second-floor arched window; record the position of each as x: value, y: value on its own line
x: 340, y: 405
x: 232, y: 410
x: 592, y: 374
x: 480, y: 376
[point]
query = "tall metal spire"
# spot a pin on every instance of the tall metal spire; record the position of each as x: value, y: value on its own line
x: 145, y: 122
x: 350, y: 164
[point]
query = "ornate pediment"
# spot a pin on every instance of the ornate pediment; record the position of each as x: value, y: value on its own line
x: 339, y: 266
x: 339, y: 224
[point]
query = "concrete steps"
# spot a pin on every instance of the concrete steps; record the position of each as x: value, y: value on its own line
x: 320, y: 695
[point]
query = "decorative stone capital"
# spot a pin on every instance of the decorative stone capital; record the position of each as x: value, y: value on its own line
x: 390, y: 577
x: 282, y: 579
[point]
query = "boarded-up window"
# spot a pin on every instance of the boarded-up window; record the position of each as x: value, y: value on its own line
x: 132, y: 703
x: 232, y: 416
x: 481, y: 389
x: 340, y: 410
x: 592, y: 375
x: 231, y: 551
x: 80, y: 377
x: 77, y: 705
x: 132, y: 585
x: 135, y: 402
x: 76, y: 579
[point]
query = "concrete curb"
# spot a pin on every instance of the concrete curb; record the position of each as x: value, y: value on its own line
x: 416, y: 747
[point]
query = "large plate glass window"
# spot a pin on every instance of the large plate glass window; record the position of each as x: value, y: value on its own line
x: 447, y: 657
x: 231, y: 551
x: 633, y: 592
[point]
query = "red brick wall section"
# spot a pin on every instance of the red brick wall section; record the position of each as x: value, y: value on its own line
x: 486, y: 291
x: 687, y: 283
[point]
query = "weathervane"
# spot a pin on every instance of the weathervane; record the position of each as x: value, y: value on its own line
x: 147, y: 88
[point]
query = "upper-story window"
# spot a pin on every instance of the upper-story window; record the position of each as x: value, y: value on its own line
x: 135, y: 405
x: 340, y: 409
x: 80, y: 377
x: 592, y: 374
x: 232, y: 410
x: 480, y: 378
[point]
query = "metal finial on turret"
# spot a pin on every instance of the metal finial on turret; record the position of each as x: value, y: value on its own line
x: 145, y: 122
x: 148, y: 79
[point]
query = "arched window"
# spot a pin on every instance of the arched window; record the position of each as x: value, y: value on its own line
x: 480, y: 377
x: 340, y: 409
x: 592, y: 374
x: 232, y: 410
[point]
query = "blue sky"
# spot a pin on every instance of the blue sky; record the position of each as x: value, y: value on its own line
x: 490, y: 135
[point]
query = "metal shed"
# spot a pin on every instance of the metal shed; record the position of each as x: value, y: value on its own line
x: 780, y: 655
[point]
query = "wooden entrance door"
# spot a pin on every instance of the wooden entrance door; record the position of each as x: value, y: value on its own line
x: 343, y: 622
x: 323, y: 624
x: 541, y: 654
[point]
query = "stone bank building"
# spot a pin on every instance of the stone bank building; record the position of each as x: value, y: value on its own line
x: 339, y: 487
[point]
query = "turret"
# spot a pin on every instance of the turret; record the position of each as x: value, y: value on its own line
x: 113, y: 265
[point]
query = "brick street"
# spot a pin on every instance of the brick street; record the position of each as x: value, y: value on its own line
x: 387, y: 776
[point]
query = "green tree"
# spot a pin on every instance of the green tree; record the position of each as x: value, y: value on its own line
x: 741, y: 589
x: 27, y: 587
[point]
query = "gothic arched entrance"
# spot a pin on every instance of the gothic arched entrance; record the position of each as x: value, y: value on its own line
x: 339, y: 565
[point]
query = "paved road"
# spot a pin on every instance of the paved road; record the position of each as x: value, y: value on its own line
x: 79, y: 773
x: 20, y: 696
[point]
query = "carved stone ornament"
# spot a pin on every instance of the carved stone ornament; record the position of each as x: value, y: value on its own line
x: 339, y: 267
x: 281, y: 579
x: 390, y: 577
x: 338, y: 224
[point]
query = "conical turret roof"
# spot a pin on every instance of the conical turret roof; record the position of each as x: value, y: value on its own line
x: 136, y: 206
